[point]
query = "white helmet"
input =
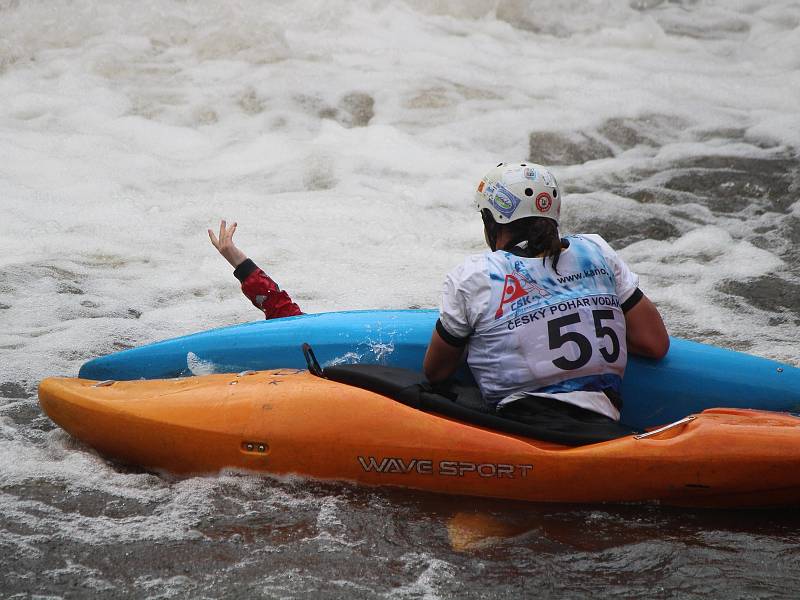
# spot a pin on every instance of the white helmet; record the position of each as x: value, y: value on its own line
x: 514, y: 191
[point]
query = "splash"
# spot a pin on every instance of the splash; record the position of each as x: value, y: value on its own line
x: 198, y: 366
x: 348, y: 358
x: 381, y: 350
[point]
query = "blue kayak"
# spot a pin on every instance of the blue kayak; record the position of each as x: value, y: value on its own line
x: 691, y: 378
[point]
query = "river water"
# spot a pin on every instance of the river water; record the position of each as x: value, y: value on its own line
x: 346, y: 138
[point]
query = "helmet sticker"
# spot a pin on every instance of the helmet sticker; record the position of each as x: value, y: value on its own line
x: 530, y: 173
x: 548, y: 179
x: 543, y: 201
x: 504, y: 201
x: 512, y: 176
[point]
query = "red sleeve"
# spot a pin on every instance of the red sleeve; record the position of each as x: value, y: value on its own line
x: 264, y: 293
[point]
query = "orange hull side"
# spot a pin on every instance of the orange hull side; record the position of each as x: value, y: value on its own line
x: 286, y: 422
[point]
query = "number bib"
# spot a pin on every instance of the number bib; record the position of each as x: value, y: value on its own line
x: 572, y: 339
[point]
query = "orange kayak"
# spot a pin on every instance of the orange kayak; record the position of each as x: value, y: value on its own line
x: 292, y: 422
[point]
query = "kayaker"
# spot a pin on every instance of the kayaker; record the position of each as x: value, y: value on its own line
x: 545, y: 322
x: 261, y: 290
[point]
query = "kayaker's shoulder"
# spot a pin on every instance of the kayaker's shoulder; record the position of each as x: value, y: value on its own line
x: 591, y: 238
x: 471, y: 266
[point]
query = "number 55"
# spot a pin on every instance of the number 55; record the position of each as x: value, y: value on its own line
x: 557, y: 338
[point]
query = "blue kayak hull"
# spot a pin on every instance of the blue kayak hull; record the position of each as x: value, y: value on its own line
x: 691, y: 378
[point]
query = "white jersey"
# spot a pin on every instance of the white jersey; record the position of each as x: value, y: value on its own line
x: 531, y: 330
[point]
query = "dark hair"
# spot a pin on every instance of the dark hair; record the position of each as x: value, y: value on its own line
x: 541, y: 234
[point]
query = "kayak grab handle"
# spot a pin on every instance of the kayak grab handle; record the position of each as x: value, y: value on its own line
x: 641, y: 436
x: 105, y: 383
x: 311, y: 361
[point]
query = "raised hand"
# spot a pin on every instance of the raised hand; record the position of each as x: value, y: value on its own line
x: 224, y: 244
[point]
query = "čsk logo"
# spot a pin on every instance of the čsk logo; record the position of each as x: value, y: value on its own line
x: 543, y: 202
x: 516, y: 287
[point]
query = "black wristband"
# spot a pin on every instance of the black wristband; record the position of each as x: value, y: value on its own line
x: 633, y: 300
x: 244, y: 269
x: 448, y: 337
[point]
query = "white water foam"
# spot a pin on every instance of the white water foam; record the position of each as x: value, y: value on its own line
x: 346, y: 139
x: 155, y: 123
x: 435, y: 574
